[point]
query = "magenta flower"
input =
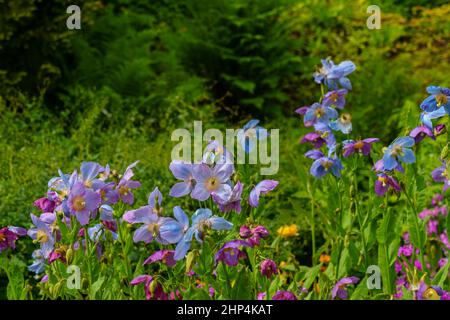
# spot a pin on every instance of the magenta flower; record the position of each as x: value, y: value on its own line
x: 335, y: 98
x: 83, y: 202
x: 284, y: 295
x: 182, y: 171
x: 419, y: 133
x: 256, y: 234
x: 432, y: 227
x: 314, y: 138
x: 125, y: 185
x: 268, y: 268
x: 245, y: 232
x: 165, y: 256
x: 234, y: 200
x: 157, y: 293
x: 230, y: 253
x: 262, y: 187
x: 261, y: 296
x: 44, y: 204
x: 212, y: 181
x: 8, y: 237
x: 384, y: 183
x: 339, y: 290
x: 361, y: 146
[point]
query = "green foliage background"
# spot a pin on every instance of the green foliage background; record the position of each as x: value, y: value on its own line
x: 113, y: 91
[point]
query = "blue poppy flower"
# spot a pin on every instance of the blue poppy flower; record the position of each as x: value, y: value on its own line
x: 343, y: 124
x: 399, y: 151
x: 439, y: 97
x: 332, y: 75
x: 318, y: 113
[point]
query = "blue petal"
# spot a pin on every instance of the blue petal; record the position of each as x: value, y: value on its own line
x: 219, y: 223
x: 389, y: 161
x: 408, y: 156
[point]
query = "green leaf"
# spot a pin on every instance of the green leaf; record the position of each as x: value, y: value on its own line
x: 96, y: 286
x: 442, y: 275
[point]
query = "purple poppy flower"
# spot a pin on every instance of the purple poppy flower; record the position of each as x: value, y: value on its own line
x: 339, y: 288
x: 318, y: 113
x: 212, y: 181
x: 42, y: 234
x: 343, y: 123
x: 88, y: 172
x: 126, y: 185
x: 250, y: 134
x: 399, y: 151
x: 234, y: 200
x: 440, y: 174
x: 335, y: 98
x: 44, y: 204
x: 154, y: 292
x: 202, y: 220
x: 230, y: 253
x: 165, y: 256
x: 314, y: 138
x: 182, y: 171
x: 384, y: 182
x: 83, y: 202
x: 108, y: 192
x: 326, y: 133
x: 322, y: 166
x: 439, y: 97
x: 284, y: 295
x: 268, y: 268
x: 362, y: 146
x: 420, y: 132
x: 261, y: 188
x: 331, y: 75
x: 56, y: 255
x: 245, y: 232
x: 257, y: 233
x: 8, y: 237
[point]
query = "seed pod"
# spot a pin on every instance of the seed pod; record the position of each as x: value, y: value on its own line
x: 444, y: 152
x: 69, y: 255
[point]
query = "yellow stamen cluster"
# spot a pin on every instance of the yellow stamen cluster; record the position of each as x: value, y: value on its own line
x: 441, y: 99
x: 78, y: 203
x: 41, y: 236
x: 212, y: 183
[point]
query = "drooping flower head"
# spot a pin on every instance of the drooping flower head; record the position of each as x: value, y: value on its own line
x: 231, y: 252
x: 250, y: 134
x: 9, y: 235
x: 165, y: 256
x: 419, y: 133
x: 399, y: 151
x: 343, y: 123
x: 154, y: 292
x: 261, y: 188
x: 125, y: 185
x: 314, y: 138
x: 439, y: 97
x: 359, y: 146
x: 323, y: 165
x: 331, y: 75
x: 43, y: 235
x: 234, y: 200
x: 385, y: 182
x: 268, y: 268
x: 339, y: 290
x: 45, y: 205
x: 202, y: 221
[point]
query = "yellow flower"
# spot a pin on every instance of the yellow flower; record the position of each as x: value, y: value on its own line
x: 288, y: 231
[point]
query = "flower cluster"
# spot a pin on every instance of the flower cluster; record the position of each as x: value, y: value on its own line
x: 325, y: 119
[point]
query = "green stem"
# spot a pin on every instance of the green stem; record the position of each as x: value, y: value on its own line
x: 313, y: 223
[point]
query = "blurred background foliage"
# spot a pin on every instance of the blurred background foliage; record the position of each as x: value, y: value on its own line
x: 113, y: 91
